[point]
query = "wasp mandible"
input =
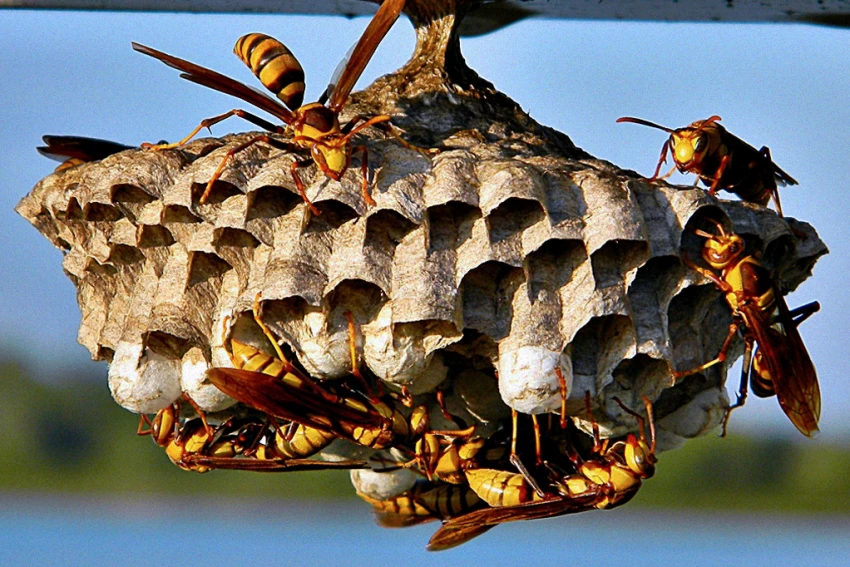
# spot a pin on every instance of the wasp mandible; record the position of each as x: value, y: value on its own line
x: 315, y: 127
x: 721, y: 161
x: 779, y: 364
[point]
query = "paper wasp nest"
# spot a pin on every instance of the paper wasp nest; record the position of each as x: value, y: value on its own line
x: 479, y: 271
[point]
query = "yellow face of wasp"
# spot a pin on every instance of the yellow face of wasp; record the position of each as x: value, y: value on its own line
x: 331, y: 159
x: 689, y: 147
x: 639, y: 457
x: 719, y: 251
x: 162, y: 428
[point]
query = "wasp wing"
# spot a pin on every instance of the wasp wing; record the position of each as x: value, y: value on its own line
x: 269, y: 465
x: 289, y: 398
x: 781, y: 177
x: 61, y: 148
x: 378, y: 27
x: 791, y: 370
x: 461, y: 529
x: 217, y: 81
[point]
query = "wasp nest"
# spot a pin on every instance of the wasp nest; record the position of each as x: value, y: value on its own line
x: 479, y: 271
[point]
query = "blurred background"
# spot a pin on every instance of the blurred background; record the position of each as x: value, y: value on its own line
x: 79, y: 487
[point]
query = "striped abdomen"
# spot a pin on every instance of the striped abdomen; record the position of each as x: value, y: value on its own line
x: 275, y: 66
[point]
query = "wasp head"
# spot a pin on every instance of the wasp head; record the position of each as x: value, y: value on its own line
x: 332, y: 159
x: 162, y: 428
x: 722, y: 249
x: 640, y: 457
x: 691, y: 144
x: 317, y: 127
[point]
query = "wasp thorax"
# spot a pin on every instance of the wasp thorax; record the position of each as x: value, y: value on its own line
x: 318, y: 121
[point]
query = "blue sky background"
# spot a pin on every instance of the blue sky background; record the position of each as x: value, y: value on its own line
x: 785, y: 86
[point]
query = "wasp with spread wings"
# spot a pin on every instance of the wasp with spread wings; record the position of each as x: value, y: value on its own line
x: 315, y: 127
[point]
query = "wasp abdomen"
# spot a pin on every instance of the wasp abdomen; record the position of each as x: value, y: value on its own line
x: 275, y: 66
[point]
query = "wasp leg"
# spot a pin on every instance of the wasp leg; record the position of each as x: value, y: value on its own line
x: 742, y: 388
x: 243, y: 146
x: 597, y: 439
x: 209, y: 122
x: 515, y: 461
x: 724, y: 161
x: 382, y: 123
x: 255, y: 309
x: 144, y: 421
x: 774, y: 191
x: 441, y: 402
x: 538, y: 451
x: 661, y: 161
x: 562, y: 385
x: 724, y: 286
x: 201, y: 414
x: 721, y: 356
x: 364, y: 172
x: 299, y: 185
x: 355, y: 365
x: 514, y: 419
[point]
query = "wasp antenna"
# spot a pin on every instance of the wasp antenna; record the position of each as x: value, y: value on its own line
x: 651, y: 420
x: 645, y: 123
x: 719, y: 226
x: 703, y: 233
x: 707, y: 122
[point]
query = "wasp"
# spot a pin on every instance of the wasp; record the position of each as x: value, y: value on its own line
x: 608, y: 478
x: 238, y: 443
x: 425, y: 502
x: 721, y: 161
x: 292, y: 396
x: 195, y: 437
x: 775, y: 358
x: 75, y: 150
x: 315, y: 127
x: 276, y: 387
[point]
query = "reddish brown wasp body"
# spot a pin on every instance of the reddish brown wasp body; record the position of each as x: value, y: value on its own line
x: 721, y: 161
x: 780, y: 365
x: 315, y: 126
x: 610, y: 477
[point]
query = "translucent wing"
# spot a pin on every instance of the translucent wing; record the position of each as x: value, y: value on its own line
x: 61, y: 148
x: 285, y: 398
x: 461, y: 529
x: 219, y: 82
x: 381, y: 23
x: 791, y: 369
x: 269, y: 465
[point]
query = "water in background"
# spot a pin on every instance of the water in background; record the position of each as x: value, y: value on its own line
x: 62, y: 530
